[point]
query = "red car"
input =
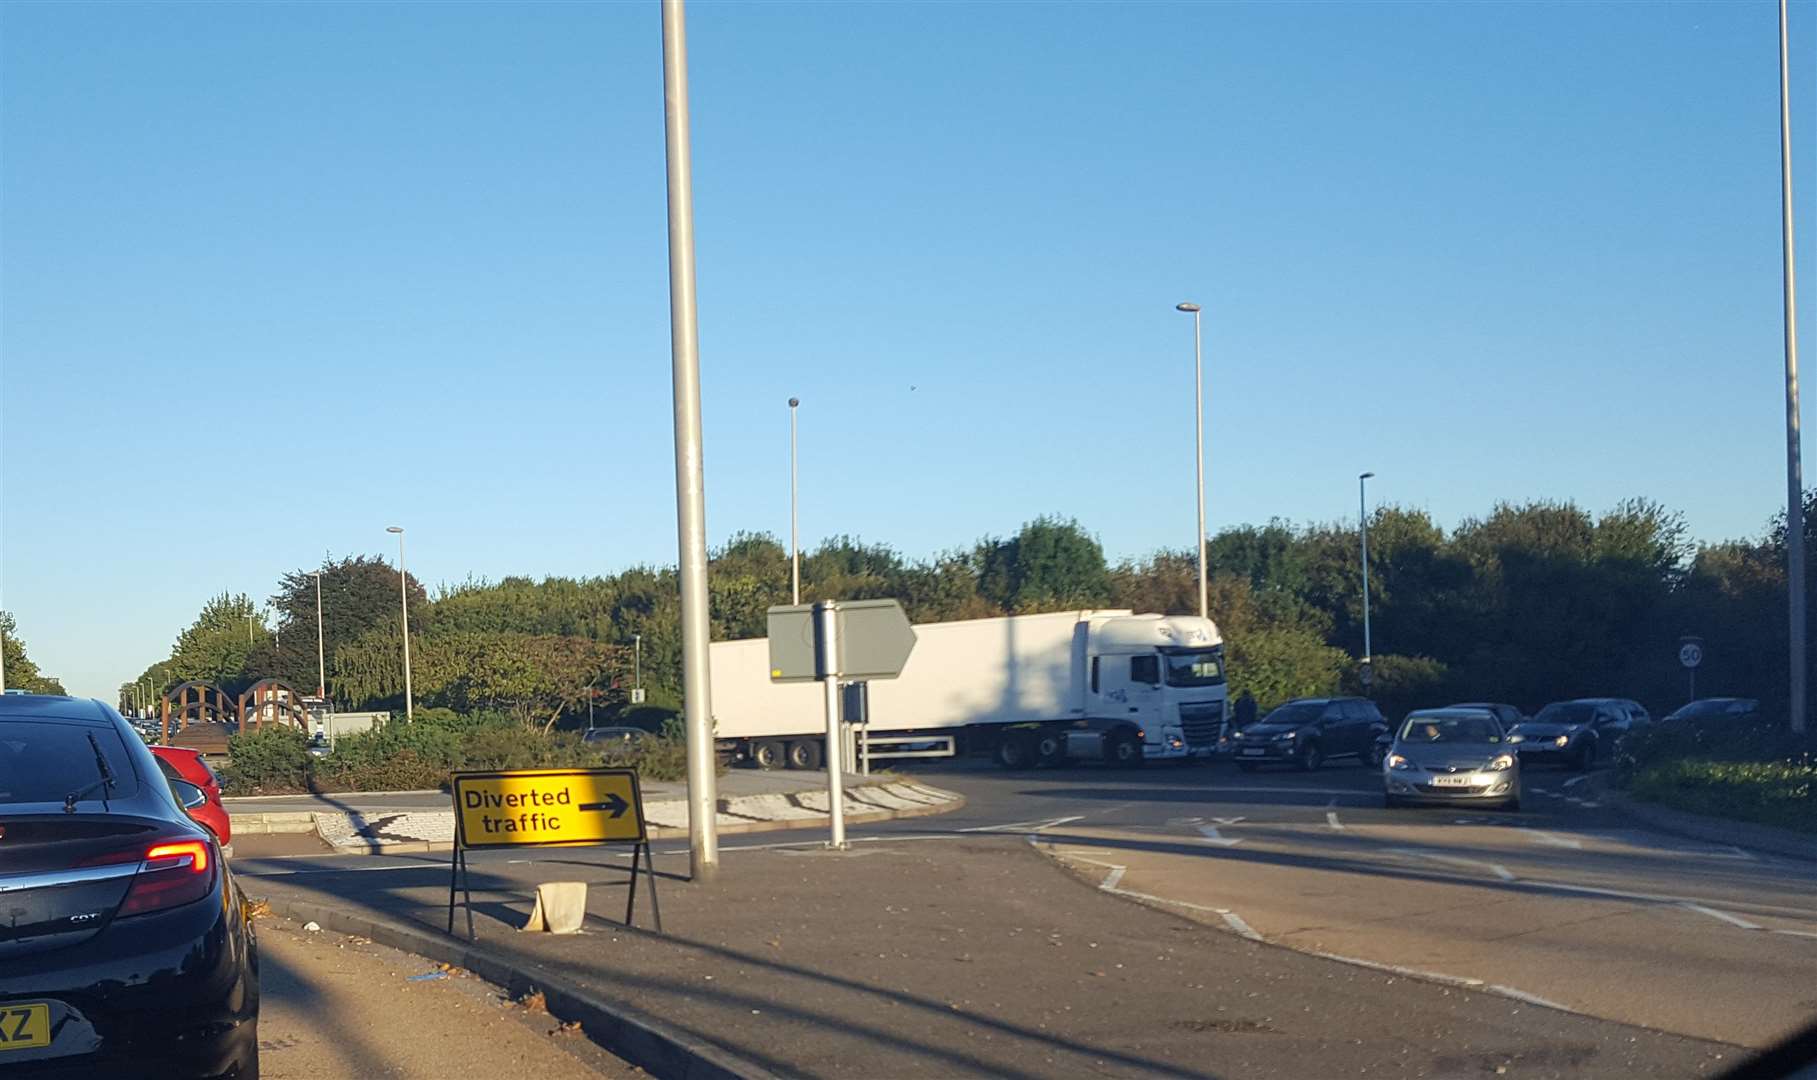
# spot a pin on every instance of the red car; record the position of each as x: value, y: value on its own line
x: 179, y: 763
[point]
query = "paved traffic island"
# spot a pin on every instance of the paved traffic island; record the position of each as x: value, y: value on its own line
x: 938, y: 954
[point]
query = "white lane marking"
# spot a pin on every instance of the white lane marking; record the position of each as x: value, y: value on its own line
x: 1588, y: 804
x: 1531, y: 999
x: 1539, y: 836
x: 1497, y: 869
x: 1798, y: 933
x: 1577, y: 780
x: 1547, y: 794
x: 1723, y: 915
x: 1331, y: 819
x: 1210, y: 836
x: 1111, y: 879
x: 1016, y: 826
x: 1227, y: 820
x: 1341, y: 793
x: 1235, y: 922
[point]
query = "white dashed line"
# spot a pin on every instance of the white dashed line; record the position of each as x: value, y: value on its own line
x: 1723, y: 915
x: 1540, y: 837
x: 1111, y: 879
x: 1798, y: 933
x: 1235, y: 922
x: 1577, y: 780
x: 1497, y: 869
x: 1331, y: 819
x: 1210, y: 836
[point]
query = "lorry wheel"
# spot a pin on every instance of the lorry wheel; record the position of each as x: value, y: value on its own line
x: 1050, y: 749
x: 805, y: 754
x: 1015, y: 752
x: 1126, y: 752
x: 767, y: 754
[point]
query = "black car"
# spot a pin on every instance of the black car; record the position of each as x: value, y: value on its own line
x: 126, y: 948
x: 1718, y: 709
x: 1310, y: 731
x: 1575, y: 733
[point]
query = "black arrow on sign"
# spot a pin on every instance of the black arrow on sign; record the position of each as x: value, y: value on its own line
x: 615, y: 805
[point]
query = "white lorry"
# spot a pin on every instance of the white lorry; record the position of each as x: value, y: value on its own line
x: 1028, y: 689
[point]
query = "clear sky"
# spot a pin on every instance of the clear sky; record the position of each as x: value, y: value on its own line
x: 274, y: 277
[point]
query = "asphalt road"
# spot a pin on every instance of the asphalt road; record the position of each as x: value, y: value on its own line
x: 1566, y: 904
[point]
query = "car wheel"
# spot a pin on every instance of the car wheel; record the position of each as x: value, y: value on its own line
x: 805, y: 754
x: 1374, y: 756
x: 1311, y: 757
x: 1125, y: 752
x: 1512, y: 805
x: 1391, y: 802
x: 1586, y: 756
x: 1015, y: 752
x: 767, y: 754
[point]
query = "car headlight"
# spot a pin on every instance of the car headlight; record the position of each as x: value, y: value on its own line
x: 1502, y: 763
x: 1562, y: 740
x: 1517, y: 738
x: 1285, y: 736
x: 1396, y: 761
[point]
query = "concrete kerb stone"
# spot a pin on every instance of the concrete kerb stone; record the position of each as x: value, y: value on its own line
x: 667, y: 820
x: 288, y: 821
x: 644, y: 1041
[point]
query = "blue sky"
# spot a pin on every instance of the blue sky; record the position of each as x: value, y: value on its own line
x: 273, y: 277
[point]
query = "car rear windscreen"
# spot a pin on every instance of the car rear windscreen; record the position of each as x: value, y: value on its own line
x: 44, y: 761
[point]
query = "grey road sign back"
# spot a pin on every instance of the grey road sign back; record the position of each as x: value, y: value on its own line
x: 874, y: 639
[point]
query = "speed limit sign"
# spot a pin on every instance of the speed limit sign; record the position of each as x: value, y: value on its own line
x: 1690, y: 654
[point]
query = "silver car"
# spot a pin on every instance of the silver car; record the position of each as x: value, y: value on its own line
x: 1451, y: 756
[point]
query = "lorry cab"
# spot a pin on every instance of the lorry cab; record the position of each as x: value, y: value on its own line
x: 1163, y: 673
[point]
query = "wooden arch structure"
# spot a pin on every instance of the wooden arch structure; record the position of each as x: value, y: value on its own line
x: 275, y: 698
x: 197, y: 701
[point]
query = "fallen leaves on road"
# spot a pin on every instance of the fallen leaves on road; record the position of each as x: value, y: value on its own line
x: 258, y: 909
x: 534, y: 1002
x: 566, y: 1027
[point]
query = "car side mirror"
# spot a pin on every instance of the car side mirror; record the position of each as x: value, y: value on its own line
x: 188, y: 794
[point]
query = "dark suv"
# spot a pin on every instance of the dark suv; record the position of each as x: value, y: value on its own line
x: 125, y: 948
x: 1310, y: 731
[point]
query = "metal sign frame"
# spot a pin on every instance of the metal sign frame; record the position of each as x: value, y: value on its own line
x: 640, y: 851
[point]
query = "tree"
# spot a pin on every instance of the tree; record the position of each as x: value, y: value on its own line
x: 359, y: 594
x: 1050, y: 565
x: 21, y: 673
x: 536, y: 677
x: 216, y: 645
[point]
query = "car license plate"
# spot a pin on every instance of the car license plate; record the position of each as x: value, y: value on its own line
x: 1461, y: 780
x: 1253, y: 751
x: 24, y: 1026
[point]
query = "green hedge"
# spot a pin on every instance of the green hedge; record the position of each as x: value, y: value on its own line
x: 401, y: 756
x: 1749, y: 770
x: 1782, y: 793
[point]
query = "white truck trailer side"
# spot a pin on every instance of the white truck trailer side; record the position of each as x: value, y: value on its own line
x: 1029, y: 689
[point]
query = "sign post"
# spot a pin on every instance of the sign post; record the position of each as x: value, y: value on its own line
x: 549, y: 808
x: 1690, y: 654
x: 834, y: 639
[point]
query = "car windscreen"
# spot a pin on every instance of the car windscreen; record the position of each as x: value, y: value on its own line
x: 1194, y: 667
x: 1295, y: 714
x: 1450, y: 729
x: 1566, y: 712
x: 44, y: 761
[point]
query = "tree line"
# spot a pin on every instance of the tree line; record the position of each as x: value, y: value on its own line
x: 1527, y: 603
x: 16, y: 663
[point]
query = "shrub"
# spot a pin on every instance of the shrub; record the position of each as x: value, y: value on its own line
x: 1782, y: 793
x: 404, y: 771
x: 266, y: 760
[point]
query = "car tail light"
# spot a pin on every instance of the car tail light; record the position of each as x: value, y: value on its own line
x: 170, y: 874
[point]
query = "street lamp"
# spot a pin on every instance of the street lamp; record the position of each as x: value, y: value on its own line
x: 1362, y: 517
x: 1794, y: 464
x: 794, y: 515
x: 403, y: 592
x: 1198, y: 409
x: 321, y: 652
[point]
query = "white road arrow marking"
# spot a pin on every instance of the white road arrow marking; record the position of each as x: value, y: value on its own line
x: 1539, y: 837
x: 1211, y: 837
x: 1723, y: 915
x: 1227, y: 820
x: 1497, y: 869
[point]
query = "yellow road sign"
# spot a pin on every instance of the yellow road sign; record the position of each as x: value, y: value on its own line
x: 547, y: 806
